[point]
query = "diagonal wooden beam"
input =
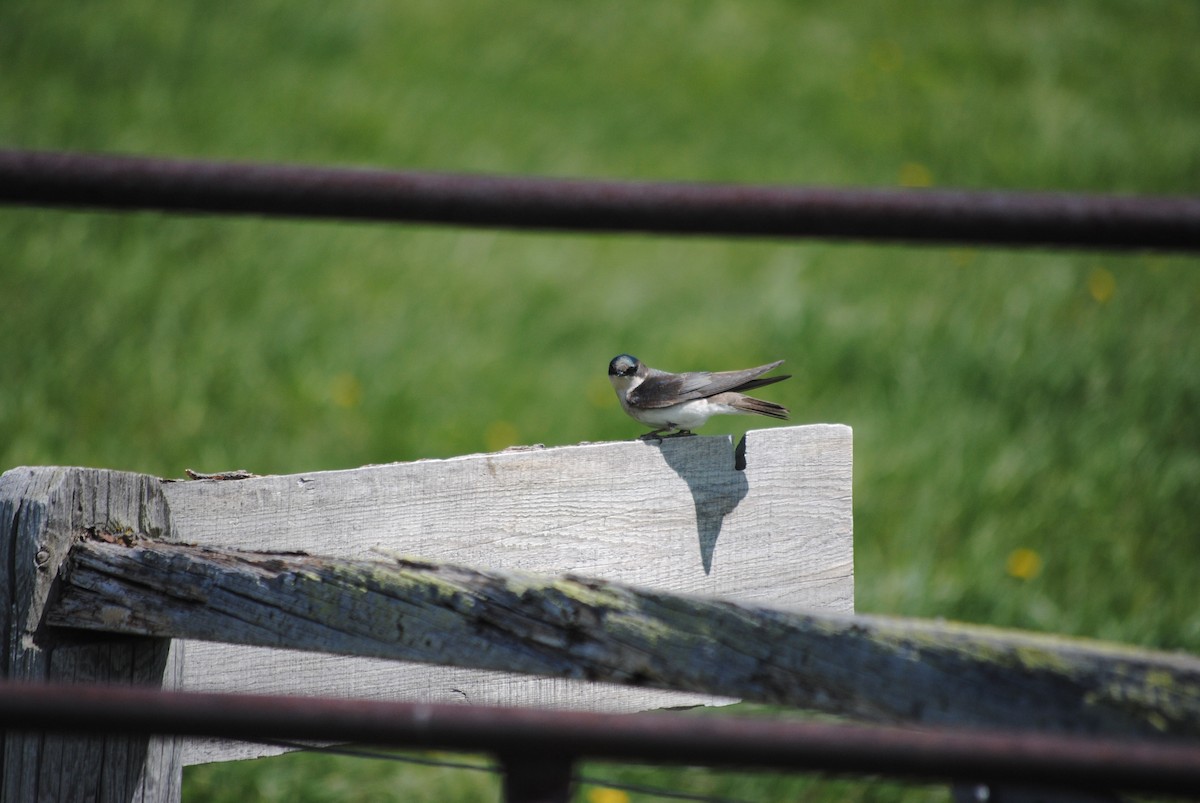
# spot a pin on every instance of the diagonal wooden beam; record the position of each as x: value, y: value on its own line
x: 875, y: 668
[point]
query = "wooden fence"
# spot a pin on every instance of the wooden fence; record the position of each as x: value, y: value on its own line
x: 605, y: 577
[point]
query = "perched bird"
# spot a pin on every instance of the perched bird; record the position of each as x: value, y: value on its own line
x: 683, y: 402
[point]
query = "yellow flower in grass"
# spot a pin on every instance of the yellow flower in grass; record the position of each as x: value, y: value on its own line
x: 915, y: 174
x: 1024, y: 564
x: 346, y: 390
x: 604, y: 795
x: 1102, y: 284
x: 500, y: 435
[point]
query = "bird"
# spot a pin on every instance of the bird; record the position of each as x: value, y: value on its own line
x: 682, y: 402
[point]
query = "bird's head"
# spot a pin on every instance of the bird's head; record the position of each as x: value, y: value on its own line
x: 624, y: 372
x: 624, y: 365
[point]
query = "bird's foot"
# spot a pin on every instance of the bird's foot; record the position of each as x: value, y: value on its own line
x: 654, y: 435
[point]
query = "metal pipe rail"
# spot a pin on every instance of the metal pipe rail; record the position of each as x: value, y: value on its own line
x: 1011, y: 219
x: 540, y: 740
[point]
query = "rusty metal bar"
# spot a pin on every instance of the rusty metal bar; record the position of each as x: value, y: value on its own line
x: 527, y: 734
x: 910, y: 216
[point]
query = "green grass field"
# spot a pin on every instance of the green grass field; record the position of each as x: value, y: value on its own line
x: 1027, y: 423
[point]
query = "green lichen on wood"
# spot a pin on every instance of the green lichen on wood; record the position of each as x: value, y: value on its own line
x: 409, y: 609
x: 1169, y: 702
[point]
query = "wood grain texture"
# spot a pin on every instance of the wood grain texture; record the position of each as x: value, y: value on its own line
x: 676, y: 516
x: 676, y: 513
x: 893, y: 670
x: 42, y: 512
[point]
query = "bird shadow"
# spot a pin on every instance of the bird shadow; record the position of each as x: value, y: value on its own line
x: 717, y: 487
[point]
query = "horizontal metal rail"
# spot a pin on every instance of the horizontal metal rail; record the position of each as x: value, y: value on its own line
x: 521, y: 736
x: 908, y: 216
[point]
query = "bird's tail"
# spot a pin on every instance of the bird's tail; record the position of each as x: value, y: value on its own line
x: 758, y: 383
x: 749, y: 404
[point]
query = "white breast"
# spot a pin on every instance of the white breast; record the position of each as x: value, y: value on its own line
x: 687, y: 415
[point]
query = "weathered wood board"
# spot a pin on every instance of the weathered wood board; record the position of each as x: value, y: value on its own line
x: 42, y: 512
x: 873, y: 668
x: 676, y: 516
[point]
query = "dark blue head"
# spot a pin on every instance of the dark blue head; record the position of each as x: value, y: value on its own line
x: 623, y: 365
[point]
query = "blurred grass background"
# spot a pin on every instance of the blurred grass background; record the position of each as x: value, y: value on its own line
x: 1027, y: 423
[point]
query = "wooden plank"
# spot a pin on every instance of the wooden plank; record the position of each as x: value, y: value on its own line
x: 867, y: 667
x: 42, y: 512
x: 677, y: 516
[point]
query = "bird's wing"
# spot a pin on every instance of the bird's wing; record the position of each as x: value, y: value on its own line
x: 661, y: 389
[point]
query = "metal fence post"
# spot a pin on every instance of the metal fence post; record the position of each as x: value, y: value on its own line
x: 537, y: 779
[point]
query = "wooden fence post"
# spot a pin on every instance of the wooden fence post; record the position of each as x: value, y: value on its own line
x: 686, y: 516
x: 42, y: 512
x: 768, y: 522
